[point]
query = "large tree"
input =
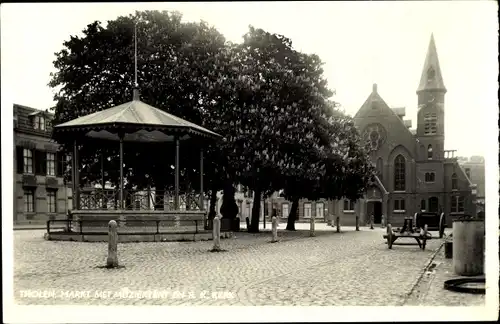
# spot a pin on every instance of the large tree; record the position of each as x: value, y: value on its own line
x: 177, y: 71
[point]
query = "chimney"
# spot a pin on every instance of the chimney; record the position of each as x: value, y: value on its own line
x: 374, y: 87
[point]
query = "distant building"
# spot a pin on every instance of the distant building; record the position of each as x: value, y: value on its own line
x: 474, y: 170
x: 414, y: 171
x: 39, y: 190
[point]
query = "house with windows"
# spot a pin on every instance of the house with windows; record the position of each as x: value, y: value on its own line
x: 39, y: 190
x: 414, y: 171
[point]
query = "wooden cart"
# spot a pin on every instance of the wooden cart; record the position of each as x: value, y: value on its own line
x: 420, y: 235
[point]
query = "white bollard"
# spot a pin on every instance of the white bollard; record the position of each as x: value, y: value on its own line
x: 338, y: 224
x: 112, y: 261
x: 274, y: 221
x: 216, y: 233
x: 311, y: 230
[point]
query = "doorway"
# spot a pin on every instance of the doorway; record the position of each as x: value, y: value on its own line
x: 433, y: 204
x: 375, y: 208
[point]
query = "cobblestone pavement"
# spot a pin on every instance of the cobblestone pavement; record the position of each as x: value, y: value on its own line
x: 430, y: 290
x: 334, y: 269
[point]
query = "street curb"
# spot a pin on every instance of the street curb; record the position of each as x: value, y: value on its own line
x: 422, y: 273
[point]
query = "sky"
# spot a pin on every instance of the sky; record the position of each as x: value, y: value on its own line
x: 361, y: 43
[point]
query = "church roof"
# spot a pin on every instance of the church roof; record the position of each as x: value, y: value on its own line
x: 431, y: 78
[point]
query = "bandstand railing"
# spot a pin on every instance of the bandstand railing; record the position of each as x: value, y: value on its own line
x: 109, y: 199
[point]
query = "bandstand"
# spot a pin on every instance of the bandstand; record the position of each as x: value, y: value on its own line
x: 134, y: 122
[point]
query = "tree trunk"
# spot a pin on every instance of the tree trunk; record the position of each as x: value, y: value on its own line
x: 292, y: 217
x: 213, y: 201
x: 229, y: 208
x: 254, y: 224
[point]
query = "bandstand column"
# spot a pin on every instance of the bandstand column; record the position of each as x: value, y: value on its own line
x: 121, y: 170
x: 176, y: 199
x: 202, y: 200
x: 76, y: 178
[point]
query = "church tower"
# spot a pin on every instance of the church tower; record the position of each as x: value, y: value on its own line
x: 430, y: 119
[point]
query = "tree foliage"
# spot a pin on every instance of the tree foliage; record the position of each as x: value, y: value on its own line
x: 270, y: 102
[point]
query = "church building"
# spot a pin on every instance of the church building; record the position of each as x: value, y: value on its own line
x: 414, y: 171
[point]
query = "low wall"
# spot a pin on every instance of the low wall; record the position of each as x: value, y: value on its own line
x: 135, y: 238
x: 133, y: 226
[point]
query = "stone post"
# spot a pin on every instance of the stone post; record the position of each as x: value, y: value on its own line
x: 338, y: 224
x: 371, y: 221
x: 274, y: 221
x: 382, y: 221
x: 112, y: 261
x: 248, y: 223
x: 357, y: 223
x: 216, y: 233
x: 311, y: 228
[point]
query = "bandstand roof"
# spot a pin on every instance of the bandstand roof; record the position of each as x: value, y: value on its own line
x: 139, y: 121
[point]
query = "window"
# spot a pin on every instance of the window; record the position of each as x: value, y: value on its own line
x: 51, y: 201
x: 399, y: 173
x: 39, y: 122
x: 307, y: 210
x: 430, y: 177
x: 51, y: 164
x: 29, y: 201
x: 467, y: 172
x: 320, y: 210
x: 399, y: 205
x: 457, y: 204
x: 348, y: 205
x: 422, y: 204
x: 284, y: 210
x: 429, y: 152
x: 454, y: 182
x: 430, y: 124
x: 28, y: 160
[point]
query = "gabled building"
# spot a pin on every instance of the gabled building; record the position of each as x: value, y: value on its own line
x: 414, y: 171
x: 40, y: 193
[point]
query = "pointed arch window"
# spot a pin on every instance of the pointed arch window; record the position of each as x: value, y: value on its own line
x: 454, y: 182
x: 399, y: 173
x: 429, y: 152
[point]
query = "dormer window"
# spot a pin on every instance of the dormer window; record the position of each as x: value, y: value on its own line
x: 431, y: 74
x: 39, y: 122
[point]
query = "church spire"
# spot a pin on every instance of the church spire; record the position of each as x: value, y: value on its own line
x: 431, y: 79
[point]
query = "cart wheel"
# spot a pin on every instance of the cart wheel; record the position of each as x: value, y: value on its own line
x: 441, y: 226
x: 424, y: 238
x: 389, y: 236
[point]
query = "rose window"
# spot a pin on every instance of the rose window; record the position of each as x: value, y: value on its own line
x: 374, y: 136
